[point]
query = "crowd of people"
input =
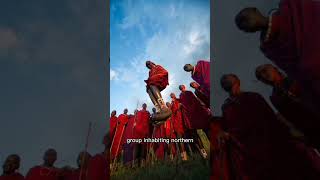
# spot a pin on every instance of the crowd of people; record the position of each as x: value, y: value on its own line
x: 89, y: 167
x: 250, y: 141
x: 179, y: 119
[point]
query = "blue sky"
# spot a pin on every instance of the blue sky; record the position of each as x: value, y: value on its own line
x: 169, y: 32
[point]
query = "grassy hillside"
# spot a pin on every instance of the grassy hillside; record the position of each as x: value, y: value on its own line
x: 195, y: 168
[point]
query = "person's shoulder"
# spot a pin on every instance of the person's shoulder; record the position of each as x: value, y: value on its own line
x: 98, y: 158
x: 226, y: 103
x: 37, y: 167
x: 17, y: 174
x: 122, y: 115
x: 34, y: 170
x: 253, y: 96
x: 203, y: 62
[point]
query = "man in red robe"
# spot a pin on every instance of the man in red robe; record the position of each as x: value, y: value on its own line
x: 195, y: 116
x: 169, y: 134
x: 141, y: 131
x: 117, y: 141
x: 290, y: 38
x: 128, y: 149
x: 286, y: 97
x: 178, y: 124
x: 82, y: 171
x: 265, y: 143
x: 113, y: 123
x: 200, y: 93
x: 99, y: 165
x: 46, y: 171
x: 11, y: 167
x: 158, y: 132
x: 158, y: 80
x: 201, y: 74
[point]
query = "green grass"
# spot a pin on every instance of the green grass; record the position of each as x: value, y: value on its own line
x: 195, y: 168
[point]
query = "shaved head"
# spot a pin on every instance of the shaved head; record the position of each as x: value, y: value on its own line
x: 229, y: 81
x: 188, y: 67
x: 194, y: 85
x: 11, y: 164
x: 150, y: 64
x: 113, y: 113
x: 50, y: 157
x: 144, y: 106
x: 182, y: 87
x: 251, y: 20
x: 268, y: 74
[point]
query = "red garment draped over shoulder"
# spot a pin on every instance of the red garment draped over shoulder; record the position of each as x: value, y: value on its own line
x: 195, y: 114
x: 141, y: 129
x: 43, y: 173
x: 99, y: 168
x: 129, y: 130
x: 294, y: 111
x: 159, y: 132
x: 265, y: 142
x: 176, y: 117
x: 14, y: 176
x: 168, y: 128
x: 75, y: 175
x: 113, y: 125
x: 158, y: 77
x: 201, y: 75
x: 116, y: 145
x: 294, y: 42
x: 200, y: 93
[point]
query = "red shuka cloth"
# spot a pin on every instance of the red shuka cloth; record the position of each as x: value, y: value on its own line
x: 294, y: 42
x: 141, y: 130
x: 128, y: 134
x: 99, y: 168
x: 158, y: 77
x: 195, y: 115
x: 116, y: 145
x: 295, y: 112
x: 200, y: 93
x: 43, y: 173
x: 159, y: 132
x: 167, y: 127
x: 14, y: 176
x: 75, y: 174
x: 113, y: 125
x: 129, y: 130
x: 265, y: 144
x: 201, y: 75
x: 176, y: 117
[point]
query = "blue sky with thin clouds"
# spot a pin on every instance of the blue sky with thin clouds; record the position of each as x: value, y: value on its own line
x: 169, y: 32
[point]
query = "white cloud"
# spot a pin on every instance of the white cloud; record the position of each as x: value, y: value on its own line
x: 184, y: 38
x: 113, y: 75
